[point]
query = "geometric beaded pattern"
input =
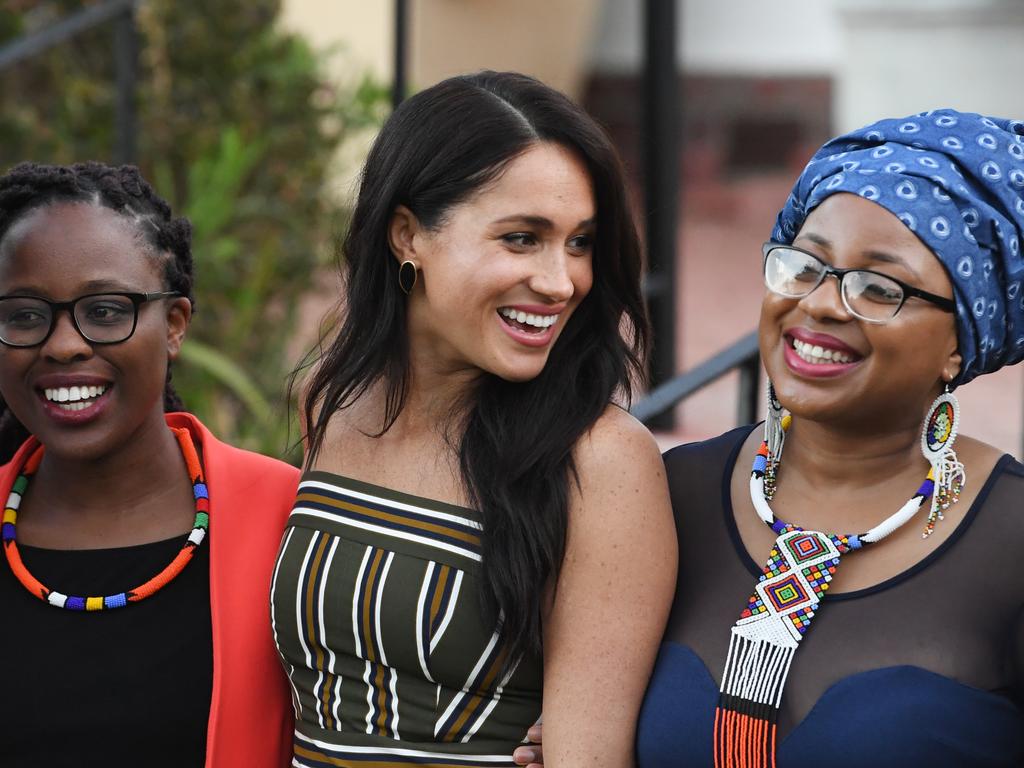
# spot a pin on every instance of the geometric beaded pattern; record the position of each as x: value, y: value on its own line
x: 200, y: 525
x: 794, y: 580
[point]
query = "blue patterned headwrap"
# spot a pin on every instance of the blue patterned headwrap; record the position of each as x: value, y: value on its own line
x: 957, y: 181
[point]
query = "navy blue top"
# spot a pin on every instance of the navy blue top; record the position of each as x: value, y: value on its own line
x: 925, y: 668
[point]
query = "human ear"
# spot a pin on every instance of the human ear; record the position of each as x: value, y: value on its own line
x: 952, y: 367
x: 402, y: 231
x: 179, y: 313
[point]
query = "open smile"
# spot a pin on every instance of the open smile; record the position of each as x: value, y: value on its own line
x: 818, y: 355
x: 73, y: 400
x: 529, y: 325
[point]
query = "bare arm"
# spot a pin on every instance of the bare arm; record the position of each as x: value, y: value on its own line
x: 612, y: 599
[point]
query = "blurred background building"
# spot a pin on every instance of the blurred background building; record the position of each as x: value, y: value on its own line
x: 758, y: 87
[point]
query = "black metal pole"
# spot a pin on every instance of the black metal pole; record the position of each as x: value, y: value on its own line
x: 748, y: 393
x: 31, y: 45
x: 661, y: 182
x: 398, y: 86
x: 126, y: 64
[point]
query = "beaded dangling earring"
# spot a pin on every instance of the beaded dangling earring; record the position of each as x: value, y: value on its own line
x: 774, y: 436
x: 941, y: 426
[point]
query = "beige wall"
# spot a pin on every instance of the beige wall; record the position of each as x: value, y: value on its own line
x: 363, y: 29
x: 550, y: 39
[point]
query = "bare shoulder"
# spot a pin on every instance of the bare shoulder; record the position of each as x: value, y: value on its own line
x: 617, y: 441
x: 978, y: 457
x: 620, y: 469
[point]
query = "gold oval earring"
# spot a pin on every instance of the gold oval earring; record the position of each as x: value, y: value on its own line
x: 407, y: 274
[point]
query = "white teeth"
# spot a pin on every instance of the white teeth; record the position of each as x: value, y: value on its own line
x: 812, y: 353
x: 537, y: 321
x: 74, y: 396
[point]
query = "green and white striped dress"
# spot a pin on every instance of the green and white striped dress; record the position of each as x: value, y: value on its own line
x: 376, y: 612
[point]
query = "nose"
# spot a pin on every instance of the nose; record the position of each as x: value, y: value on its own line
x: 826, y: 302
x: 551, y: 277
x: 65, y: 344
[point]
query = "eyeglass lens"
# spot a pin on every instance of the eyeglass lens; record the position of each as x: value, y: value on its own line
x: 26, y: 321
x: 795, y: 274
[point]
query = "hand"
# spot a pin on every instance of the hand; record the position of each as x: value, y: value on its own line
x: 532, y: 756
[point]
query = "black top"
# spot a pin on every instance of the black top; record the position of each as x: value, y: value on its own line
x: 124, y: 687
x: 926, y: 668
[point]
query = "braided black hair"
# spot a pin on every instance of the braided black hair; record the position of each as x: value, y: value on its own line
x: 29, y: 186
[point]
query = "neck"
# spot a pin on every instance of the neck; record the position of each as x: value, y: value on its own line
x: 834, y: 457
x: 146, y: 465
x: 437, y: 392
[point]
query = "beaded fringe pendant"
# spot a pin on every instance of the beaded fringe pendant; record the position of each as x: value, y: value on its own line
x: 121, y: 599
x: 764, y: 641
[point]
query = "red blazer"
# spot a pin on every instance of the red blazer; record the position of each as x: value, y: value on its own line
x: 250, y: 721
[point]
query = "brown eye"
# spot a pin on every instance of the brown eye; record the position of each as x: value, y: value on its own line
x: 582, y: 243
x: 519, y: 239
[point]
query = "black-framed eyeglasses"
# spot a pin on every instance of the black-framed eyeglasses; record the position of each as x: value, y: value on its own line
x: 100, y: 318
x: 868, y: 295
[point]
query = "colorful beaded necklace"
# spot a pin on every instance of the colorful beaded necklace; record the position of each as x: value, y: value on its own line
x: 765, y: 638
x: 121, y: 599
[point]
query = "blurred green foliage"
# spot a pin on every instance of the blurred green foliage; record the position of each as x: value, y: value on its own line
x: 239, y: 128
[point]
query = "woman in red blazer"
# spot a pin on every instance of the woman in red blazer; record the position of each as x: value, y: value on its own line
x: 138, y: 549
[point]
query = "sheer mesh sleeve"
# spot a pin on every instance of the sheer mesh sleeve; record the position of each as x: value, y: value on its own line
x: 932, y: 658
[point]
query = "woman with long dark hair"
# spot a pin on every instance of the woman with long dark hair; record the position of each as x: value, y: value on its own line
x: 475, y: 498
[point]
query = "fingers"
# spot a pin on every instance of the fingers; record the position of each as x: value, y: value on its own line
x: 524, y: 756
x: 531, y: 755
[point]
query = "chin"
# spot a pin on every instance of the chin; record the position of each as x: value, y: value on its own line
x: 518, y: 373
x: 517, y: 377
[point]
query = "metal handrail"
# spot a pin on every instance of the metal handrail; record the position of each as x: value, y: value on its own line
x: 122, y: 14
x: 743, y: 355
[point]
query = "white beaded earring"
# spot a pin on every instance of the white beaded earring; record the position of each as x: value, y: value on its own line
x: 940, y: 429
x: 774, y: 436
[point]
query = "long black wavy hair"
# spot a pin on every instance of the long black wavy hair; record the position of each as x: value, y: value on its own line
x: 29, y: 186
x: 515, y: 450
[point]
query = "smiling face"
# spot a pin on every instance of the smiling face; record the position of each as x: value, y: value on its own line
x: 829, y: 366
x: 83, y: 400
x: 503, y: 272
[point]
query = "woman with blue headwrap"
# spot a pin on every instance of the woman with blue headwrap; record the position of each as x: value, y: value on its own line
x: 840, y: 608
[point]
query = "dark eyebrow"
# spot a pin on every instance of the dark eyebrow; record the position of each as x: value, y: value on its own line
x: 93, y: 286
x: 816, y: 239
x: 537, y: 222
x: 100, y: 286
x: 883, y: 257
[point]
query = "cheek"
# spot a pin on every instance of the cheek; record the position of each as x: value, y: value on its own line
x: 773, y: 310
x: 581, y: 273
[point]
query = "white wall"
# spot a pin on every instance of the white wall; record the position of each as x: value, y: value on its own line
x: 746, y: 37
x: 905, y: 56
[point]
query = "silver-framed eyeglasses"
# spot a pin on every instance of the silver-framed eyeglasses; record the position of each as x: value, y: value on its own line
x: 867, y: 295
x: 100, y: 318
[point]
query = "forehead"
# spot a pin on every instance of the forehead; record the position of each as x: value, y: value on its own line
x: 63, y: 249
x: 546, y: 180
x: 857, y: 229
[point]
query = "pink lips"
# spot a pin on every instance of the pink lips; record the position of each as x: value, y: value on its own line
x: 526, y: 338
x: 817, y: 370
x: 93, y: 411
